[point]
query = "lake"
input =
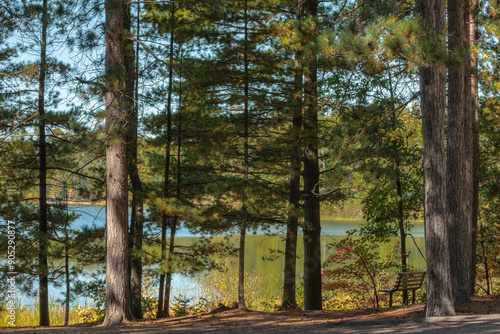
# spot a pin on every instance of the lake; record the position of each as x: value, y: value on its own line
x: 259, y: 246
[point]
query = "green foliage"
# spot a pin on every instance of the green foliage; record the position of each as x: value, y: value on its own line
x: 488, y: 51
x: 94, y: 290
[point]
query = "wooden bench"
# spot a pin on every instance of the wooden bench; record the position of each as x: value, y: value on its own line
x: 406, y: 281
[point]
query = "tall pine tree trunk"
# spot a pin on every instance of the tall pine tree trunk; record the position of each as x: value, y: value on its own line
x: 173, y: 227
x: 433, y: 101
x: 168, y: 278
x: 137, y: 212
x: 243, y: 226
x: 42, y: 147
x: 66, y: 261
x: 164, y: 290
x: 68, y: 287
x: 459, y: 152
x: 117, y: 279
x: 401, y: 225
x: 312, y: 224
x: 399, y: 193
x: 163, y: 255
x: 473, y: 13
x: 289, y: 274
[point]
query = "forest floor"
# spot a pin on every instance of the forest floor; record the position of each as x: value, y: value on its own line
x: 482, y: 315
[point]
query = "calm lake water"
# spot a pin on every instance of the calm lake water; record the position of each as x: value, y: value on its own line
x: 259, y: 245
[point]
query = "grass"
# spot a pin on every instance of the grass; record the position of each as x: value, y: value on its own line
x: 28, y: 315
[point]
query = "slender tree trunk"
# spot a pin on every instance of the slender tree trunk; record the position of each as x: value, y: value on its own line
x: 401, y: 225
x: 42, y: 147
x: 163, y: 303
x: 433, y: 100
x: 312, y: 224
x: 399, y: 193
x: 66, y: 274
x: 486, y: 269
x: 66, y: 261
x: 459, y: 153
x: 289, y: 274
x: 117, y: 279
x: 243, y: 226
x: 475, y: 140
x: 161, y: 288
x: 137, y: 212
x: 168, y: 280
x: 173, y: 227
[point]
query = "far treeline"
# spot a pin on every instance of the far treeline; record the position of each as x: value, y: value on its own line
x: 227, y: 116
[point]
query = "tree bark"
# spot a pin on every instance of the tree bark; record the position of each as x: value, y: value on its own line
x: 164, y: 295
x: 486, y: 269
x: 459, y: 152
x: 401, y: 225
x: 68, y: 287
x: 433, y: 100
x: 289, y: 274
x: 137, y: 212
x: 399, y: 193
x: 168, y: 278
x: 312, y: 224
x: 161, y: 288
x: 173, y: 227
x: 475, y: 139
x: 44, y: 319
x: 243, y: 226
x: 66, y: 261
x: 117, y: 279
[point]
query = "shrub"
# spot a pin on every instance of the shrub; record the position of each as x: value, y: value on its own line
x: 356, y: 273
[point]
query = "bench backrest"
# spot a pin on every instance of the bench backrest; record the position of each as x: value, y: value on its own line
x: 410, y: 280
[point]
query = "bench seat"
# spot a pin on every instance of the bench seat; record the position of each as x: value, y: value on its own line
x: 407, y: 281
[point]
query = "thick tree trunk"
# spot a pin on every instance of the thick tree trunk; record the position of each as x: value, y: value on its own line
x: 312, y: 224
x: 42, y: 178
x: 433, y: 100
x: 117, y: 279
x: 475, y: 140
x: 243, y: 226
x: 289, y: 274
x: 136, y: 219
x: 163, y: 303
x: 459, y: 153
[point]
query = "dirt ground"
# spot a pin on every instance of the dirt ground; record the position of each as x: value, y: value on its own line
x: 238, y: 321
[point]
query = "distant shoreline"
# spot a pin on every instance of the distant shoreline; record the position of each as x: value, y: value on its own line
x: 75, y: 203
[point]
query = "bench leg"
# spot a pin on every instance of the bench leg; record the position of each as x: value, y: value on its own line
x: 390, y: 299
x: 413, y: 300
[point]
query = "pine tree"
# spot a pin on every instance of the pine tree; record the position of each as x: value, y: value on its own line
x: 433, y: 96
x: 137, y: 202
x: 459, y: 152
x: 289, y: 290
x: 473, y: 30
x: 118, y: 306
x: 312, y: 224
x: 42, y: 175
